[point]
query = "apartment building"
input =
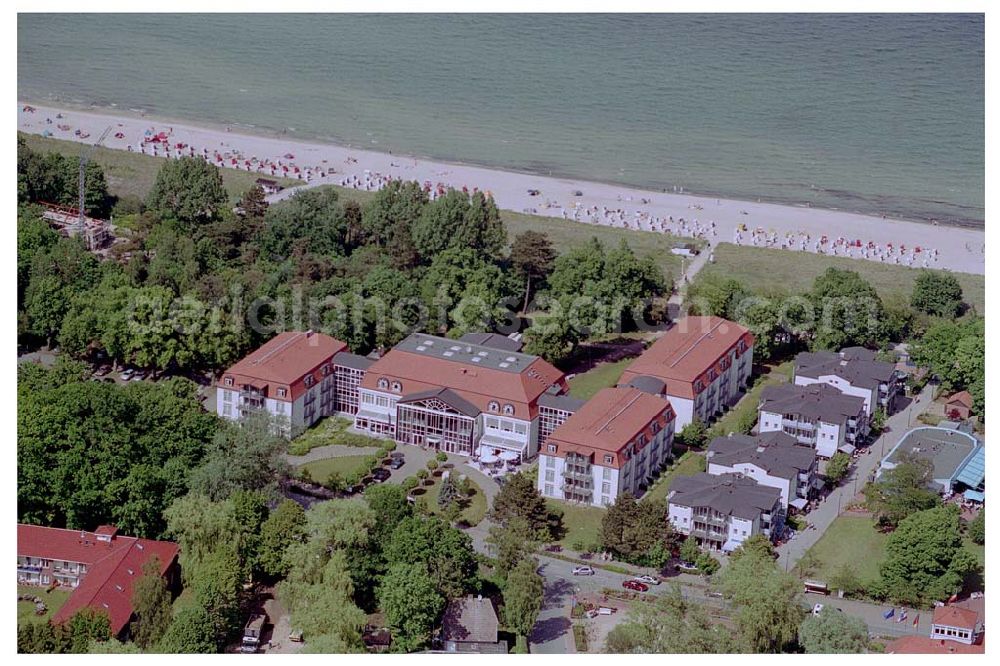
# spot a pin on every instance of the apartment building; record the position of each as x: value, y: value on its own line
x: 852, y: 371
x: 817, y: 415
x: 772, y: 459
x: 722, y: 511
x: 703, y: 363
x: 615, y: 443
x: 457, y: 396
x: 99, y: 568
x: 293, y: 376
x: 553, y: 410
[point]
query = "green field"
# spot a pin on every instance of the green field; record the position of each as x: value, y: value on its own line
x: 133, y: 174
x: 852, y: 541
x: 586, y: 384
x: 582, y: 523
x: 689, y: 464
x: 320, y: 470
x: 782, y: 272
x: 780, y: 374
x: 329, y: 432
x: 472, y: 514
x: 26, y: 609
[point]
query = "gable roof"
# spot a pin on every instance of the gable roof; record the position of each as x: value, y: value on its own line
x: 285, y: 360
x: 927, y: 645
x: 470, y: 620
x: 610, y: 420
x: 112, y: 566
x: 963, y: 398
x: 856, y: 365
x: 815, y: 401
x: 687, y: 351
x: 953, y: 616
x: 776, y: 452
x: 728, y: 494
x: 445, y: 395
x: 493, y: 340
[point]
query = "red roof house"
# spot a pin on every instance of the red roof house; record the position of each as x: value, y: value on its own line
x: 100, y: 567
x: 959, y: 406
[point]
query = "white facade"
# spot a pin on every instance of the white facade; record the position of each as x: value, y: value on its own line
x: 826, y: 438
x: 731, y: 529
x: 291, y: 416
x: 717, y: 396
x: 606, y: 482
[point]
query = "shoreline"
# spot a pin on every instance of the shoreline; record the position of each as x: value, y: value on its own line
x: 958, y: 248
x: 267, y: 132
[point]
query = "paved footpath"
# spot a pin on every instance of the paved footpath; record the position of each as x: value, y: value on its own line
x: 837, y: 502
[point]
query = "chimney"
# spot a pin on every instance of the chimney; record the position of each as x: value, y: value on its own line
x: 479, y: 597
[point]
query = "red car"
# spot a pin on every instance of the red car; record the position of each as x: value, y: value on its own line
x: 635, y: 585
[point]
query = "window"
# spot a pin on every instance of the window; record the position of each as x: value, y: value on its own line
x: 494, y: 406
x: 607, y: 473
x: 227, y: 396
x: 550, y: 461
x: 552, y: 448
x: 549, y: 489
x: 608, y: 460
x: 280, y: 407
x: 282, y: 393
x: 326, y: 370
x: 397, y: 387
x: 227, y: 410
x: 550, y: 475
x: 508, y: 409
x: 229, y: 381
x: 656, y: 426
x: 383, y: 383
x: 309, y: 380
x: 606, y: 488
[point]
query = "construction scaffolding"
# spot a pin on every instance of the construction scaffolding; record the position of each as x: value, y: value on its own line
x: 66, y: 220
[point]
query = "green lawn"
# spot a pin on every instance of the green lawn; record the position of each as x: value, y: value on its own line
x: 330, y: 431
x: 689, y: 464
x: 582, y: 523
x: 851, y: 541
x: 320, y: 470
x: 748, y: 404
x: 26, y: 609
x: 472, y: 514
x: 767, y: 270
x: 133, y: 174
x: 586, y: 384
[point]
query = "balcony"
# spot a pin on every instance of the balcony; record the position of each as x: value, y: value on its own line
x: 706, y: 533
x: 710, y: 519
x: 801, y: 425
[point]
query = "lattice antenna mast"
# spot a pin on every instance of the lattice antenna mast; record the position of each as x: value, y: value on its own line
x: 84, y: 159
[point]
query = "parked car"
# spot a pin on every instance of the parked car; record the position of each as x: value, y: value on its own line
x: 554, y: 548
x: 583, y: 571
x: 648, y: 580
x: 397, y: 462
x: 127, y: 374
x: 533, y: 193
x: 635, y: 585
x: 109, y: 380
x: 103, y: 370
x: 381, y: 474
x: 138, y: 376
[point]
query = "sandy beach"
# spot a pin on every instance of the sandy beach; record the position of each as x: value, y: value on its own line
x: 749, y: 223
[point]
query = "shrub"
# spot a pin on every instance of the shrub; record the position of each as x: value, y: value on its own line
x: 432, y: 465
x: 422, y: 474
x: 388, y: 445
x: 334, y: 482
x: 409, y: 483
x: 304, y: 475
x: 707, y: 564
x: 441, y: 456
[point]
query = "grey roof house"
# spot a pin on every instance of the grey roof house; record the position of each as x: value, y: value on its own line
x: 818, y: 415
x: 470, y: 624
x: 772, y: 459
x: 852, y: 371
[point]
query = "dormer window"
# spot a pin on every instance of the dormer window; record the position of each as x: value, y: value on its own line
x: 309, y: 380
x: 552, y: 448
x: 508, y: 409
x: 397, y: 387
x: 282, y: 392
x: 608, y: 460
x: 493, y: 406
x: 383, y: 383
x: 325, y: 370
x: 229, y: 381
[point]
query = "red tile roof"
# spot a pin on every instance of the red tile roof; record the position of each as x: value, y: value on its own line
x: 609, y: 422
x: 963, y: 398
x: 927, y: 645
x: 112, y: 566
x: 687, y: 352
x: 477, y: 384
x: 953, y: 616
x: 284, y: 361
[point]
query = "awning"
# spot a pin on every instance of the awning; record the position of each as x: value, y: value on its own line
x: 371, y: 416
x: 847, y: 448
x: 488, y: 458
x: 509, y: 455
x: 975, y: 496
x: 730, y: 546
x: 799, y: 502
x: 504, y: 444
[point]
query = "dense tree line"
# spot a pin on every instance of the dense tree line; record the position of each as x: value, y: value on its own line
x: 193, y: 273
x: 54, y: 178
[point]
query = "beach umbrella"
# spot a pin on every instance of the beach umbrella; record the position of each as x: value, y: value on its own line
x: 488, y: 458
x: 509, y: 455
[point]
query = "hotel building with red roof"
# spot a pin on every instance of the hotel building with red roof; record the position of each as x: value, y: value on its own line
x: 615, y: 443
x: 703, y: 363
x: 99, y: 568
x: 956, y: 628
x: 457, y: 396
x: 299, y: 377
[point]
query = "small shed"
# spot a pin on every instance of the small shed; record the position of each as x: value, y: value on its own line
x: 959, y: 406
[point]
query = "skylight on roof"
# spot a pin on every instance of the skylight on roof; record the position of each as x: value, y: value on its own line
x: 482, y: 353
x: 448, y: 353
x: 476, y: 359
x: 455, y: 348
x: 421, y: 348
x: 504, y: 365
x: 510, y: 359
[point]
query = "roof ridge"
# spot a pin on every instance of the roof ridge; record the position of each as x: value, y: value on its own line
x: 621, y: 411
